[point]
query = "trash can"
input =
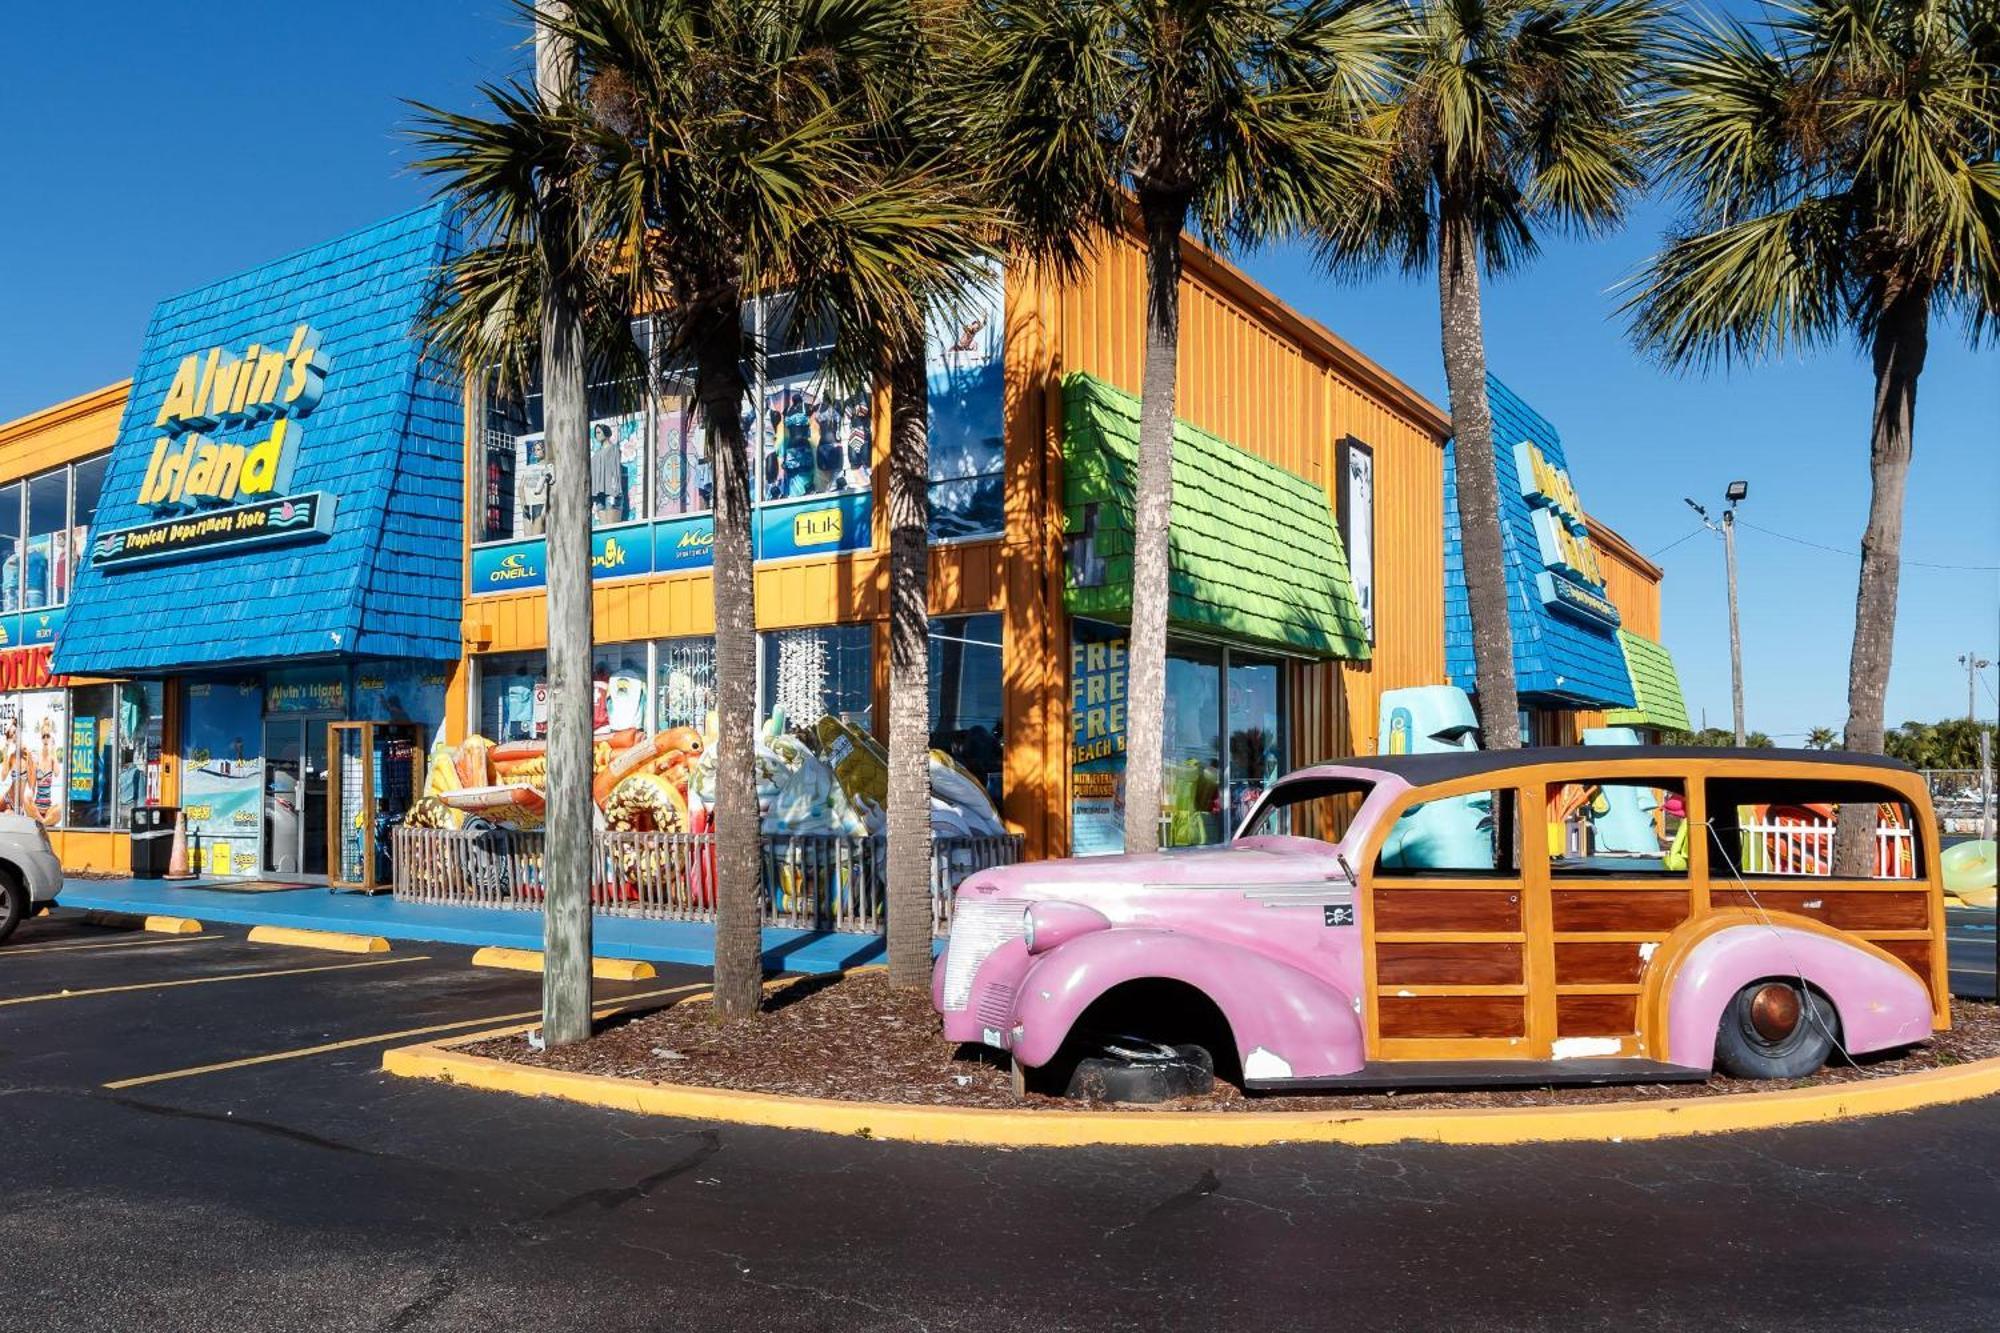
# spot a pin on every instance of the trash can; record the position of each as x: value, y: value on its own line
x: 153, y: 840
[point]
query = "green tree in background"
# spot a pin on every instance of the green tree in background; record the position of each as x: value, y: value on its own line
x: 1835, y: 163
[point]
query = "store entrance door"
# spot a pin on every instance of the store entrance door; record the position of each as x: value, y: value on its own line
x: 295, y: 797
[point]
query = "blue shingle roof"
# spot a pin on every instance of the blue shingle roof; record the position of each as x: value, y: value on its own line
x: 1559, y: 660
x: 387, y: 440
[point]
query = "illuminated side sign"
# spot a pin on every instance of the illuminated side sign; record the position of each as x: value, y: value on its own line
x: 1571, y: 578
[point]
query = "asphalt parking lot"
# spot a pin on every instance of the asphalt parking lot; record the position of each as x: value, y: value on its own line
x: 197, y: 1135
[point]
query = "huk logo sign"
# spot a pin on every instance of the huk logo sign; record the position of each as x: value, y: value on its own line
x: 218, y: 391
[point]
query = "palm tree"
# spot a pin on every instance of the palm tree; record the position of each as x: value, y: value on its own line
x: 1821, y: 738
x: 916, y: 138
x: 1837, y: 171
x: 1507, y: 116
x: 724, y: 153
x: 1232, y: 115
x: 520, y: 305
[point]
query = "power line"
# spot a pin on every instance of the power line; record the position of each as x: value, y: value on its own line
x: 1856, y: 555
x: 1676, y: 542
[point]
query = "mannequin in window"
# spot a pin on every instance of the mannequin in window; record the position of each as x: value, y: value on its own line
x: 797, y: 459
x: 607, y: 475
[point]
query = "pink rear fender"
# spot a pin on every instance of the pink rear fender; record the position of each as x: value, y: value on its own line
x: 1881, y: 1003
x: 1286, y: 1023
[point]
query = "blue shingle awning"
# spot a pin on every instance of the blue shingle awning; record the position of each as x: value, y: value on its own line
x: 383, y: 446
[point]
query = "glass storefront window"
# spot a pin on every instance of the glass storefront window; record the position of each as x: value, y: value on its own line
x: 1191, y: 787
x: 684, y: 682
x: 1212, y: 693
x: 514, y: 697
x: 1256, y: 745
x: 967, y: 374
x: 93, y: 740
x: 621, y: 689
x: 683, y: 481
x: 617, y: 469
x: 46, y: 562
x: 10, y: 546
x: 815, y: 434
x: 142, y: 718
x: 810, y: 673
x: 222, y: 780
x: 966, y: 695
x: 86, y: 487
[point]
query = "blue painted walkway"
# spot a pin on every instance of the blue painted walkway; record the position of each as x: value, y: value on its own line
x: 316, y: 909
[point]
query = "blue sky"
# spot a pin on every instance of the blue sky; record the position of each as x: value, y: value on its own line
x: 155, y: 147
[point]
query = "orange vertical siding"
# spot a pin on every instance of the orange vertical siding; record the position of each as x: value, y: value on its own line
x: 1264, y: 377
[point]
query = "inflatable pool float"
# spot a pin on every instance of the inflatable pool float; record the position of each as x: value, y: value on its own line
x: 1969, y: 872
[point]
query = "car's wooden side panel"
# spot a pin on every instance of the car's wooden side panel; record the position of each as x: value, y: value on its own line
x: 1508, y: 964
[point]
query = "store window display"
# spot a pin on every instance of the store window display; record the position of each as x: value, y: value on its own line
x: 967, y: 693
x: 828, y: 671
x: 967, y: 372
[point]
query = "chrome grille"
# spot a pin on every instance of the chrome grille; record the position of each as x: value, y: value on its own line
x: 977, y: 929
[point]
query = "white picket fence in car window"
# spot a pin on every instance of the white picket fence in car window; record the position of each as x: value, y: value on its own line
x: 1805, y: 847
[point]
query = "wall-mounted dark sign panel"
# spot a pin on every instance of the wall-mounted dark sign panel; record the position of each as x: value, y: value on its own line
x: 289, y: 518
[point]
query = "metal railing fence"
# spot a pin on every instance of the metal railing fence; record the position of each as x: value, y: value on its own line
x: 812, y: 881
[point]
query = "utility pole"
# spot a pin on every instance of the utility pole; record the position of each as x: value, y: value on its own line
x: 1736, y: 492
x: 1973, y: 664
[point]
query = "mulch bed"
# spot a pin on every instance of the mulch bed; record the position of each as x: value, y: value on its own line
x: 857, y: 1039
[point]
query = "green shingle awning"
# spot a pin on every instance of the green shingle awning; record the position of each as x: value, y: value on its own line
x: 1654, y: 684
x: 1253, y: 551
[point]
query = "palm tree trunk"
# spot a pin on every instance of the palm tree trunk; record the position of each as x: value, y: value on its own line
x: 566, y: 923
x: 739, y: 870
x: 1902, y: 340
x: 1480, y: 548
x: 1146, y: 660
x: 909, y: 904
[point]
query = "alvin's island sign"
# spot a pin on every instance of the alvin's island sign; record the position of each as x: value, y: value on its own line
x: 218, y: 477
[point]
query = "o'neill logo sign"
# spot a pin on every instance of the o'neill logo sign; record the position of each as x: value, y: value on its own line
x: 218, y: 472
x: 1571, y: 579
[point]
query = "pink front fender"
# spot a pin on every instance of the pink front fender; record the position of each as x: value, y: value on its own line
x: 1286, y: 1023
x: 1881, y: 1003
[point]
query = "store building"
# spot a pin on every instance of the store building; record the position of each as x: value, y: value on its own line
x: 1032, y: 429
x: 293, y: 530
x: 1584, y: 605
x: 275, y: 546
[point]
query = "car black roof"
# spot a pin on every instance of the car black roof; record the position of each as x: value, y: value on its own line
x: 1424, y: 769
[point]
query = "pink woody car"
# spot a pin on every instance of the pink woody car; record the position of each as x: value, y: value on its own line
x: 1479, y: 918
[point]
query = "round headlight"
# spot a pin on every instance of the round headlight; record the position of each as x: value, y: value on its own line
x: 1028, y: 928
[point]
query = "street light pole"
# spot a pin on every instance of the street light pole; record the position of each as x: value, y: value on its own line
x: 1735, y: 493
x: 1735, y: 634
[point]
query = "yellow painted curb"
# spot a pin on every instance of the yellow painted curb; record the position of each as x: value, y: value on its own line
x: 530, y: 960
x: 1603, y: 1123
x: 172, y: 925
x: 331, y: 940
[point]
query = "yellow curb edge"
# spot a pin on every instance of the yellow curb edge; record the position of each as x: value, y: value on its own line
x: 172, y: 925
x: 530, y: 960
x: 1489, y: 1127
x: 331, y: 940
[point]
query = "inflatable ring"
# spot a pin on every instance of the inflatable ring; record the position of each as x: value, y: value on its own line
x: 1969, y: 872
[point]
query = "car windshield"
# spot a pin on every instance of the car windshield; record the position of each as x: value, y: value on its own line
x: 1318, y: 807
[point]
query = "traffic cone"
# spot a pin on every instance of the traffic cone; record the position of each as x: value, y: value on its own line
x: 177, y: 859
